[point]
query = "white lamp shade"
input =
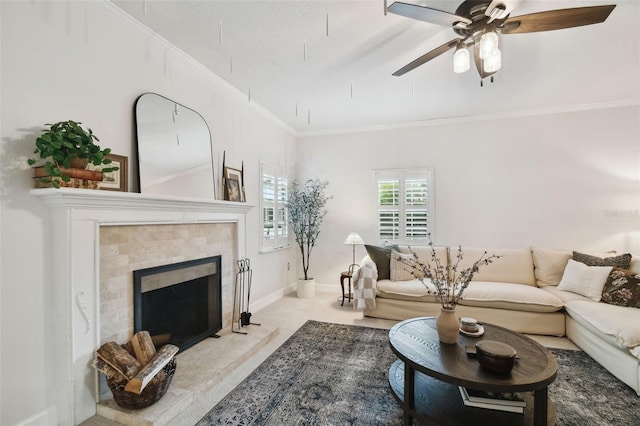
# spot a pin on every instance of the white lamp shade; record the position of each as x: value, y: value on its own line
x: 494, y: 62
x: 488, y: 43
x: 353, y: 239
x: 461, y: 61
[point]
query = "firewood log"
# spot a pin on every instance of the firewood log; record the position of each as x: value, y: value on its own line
x: 143, y: 347
x: 161, y: 339
x: 111, y: 374
x: 129, y: 347
x: 119, y: 359
x: 148, y: 372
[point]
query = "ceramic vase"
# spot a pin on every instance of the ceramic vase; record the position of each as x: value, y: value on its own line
x: 447, y: 326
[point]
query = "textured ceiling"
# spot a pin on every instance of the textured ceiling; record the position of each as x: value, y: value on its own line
x: 327, y: 65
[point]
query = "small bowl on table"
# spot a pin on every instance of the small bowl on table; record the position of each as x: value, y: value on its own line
x: 496, y: 357
x: 469, y: 325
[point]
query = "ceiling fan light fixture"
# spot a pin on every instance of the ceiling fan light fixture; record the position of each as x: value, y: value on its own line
x: 494, y: 62
x: 461, y: 60
x: 488, y: 43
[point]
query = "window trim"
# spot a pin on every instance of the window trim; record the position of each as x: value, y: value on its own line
x: 401, y: 174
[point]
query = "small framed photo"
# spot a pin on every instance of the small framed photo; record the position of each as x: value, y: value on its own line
x: 117, y: 180
x: 231, y: 174
x: 233, y: 190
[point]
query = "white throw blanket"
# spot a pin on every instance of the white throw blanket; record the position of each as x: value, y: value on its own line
x: 364, y: 286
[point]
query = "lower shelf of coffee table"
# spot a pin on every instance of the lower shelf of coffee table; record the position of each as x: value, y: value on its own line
x: 440, y: 403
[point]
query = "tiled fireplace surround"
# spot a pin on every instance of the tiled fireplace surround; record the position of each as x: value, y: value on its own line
x: 127, y: 248
x: 98, y: 239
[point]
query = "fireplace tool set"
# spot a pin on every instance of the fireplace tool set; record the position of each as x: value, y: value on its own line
x: 242, y: 296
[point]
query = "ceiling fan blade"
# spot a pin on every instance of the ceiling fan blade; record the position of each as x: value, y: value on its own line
x: 557, y: 19
x: 426, y: 14
x: 427, y: 57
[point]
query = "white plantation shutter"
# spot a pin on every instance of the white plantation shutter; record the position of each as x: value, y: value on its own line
x: 275, y: 222
x: 282, y: 236
x: 268, y: 206
x: 388, y: 207
x: 404, y: 205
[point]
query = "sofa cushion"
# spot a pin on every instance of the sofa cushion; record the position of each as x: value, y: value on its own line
x: 519, y: 297
x: 381, y: 256
x: 622, y: 261
x: 622, y: 288
x: 549, y: 265
x: 406, y: 290
x: 514, y: 265
x: 616, y: 321
x: 400, y: 268
x: 585, y: 280
x: 565, y: 296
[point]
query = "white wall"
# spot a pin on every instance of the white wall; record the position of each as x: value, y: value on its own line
x: 88, y: 62
x: 566, y: 180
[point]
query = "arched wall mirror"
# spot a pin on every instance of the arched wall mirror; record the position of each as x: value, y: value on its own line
x: 174, y: 149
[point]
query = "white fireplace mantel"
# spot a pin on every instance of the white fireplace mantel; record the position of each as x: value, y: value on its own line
x: 76, y: 216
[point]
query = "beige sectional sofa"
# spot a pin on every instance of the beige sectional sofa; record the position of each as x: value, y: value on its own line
x: 519, y: 291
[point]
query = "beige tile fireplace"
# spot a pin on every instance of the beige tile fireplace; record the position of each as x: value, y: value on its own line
x: 127, y: 248
x: 98, y: 239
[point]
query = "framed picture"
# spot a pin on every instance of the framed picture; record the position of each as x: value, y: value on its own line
x: 117, y: 180
x: 233, y: 190
x: 231, y: 174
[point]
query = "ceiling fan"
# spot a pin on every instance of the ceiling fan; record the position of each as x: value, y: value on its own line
x: 478, y: 24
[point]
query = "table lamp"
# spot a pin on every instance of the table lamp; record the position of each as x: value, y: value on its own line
x: 353, y: 240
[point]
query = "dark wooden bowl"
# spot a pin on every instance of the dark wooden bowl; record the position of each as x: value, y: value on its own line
x: 495, y: 356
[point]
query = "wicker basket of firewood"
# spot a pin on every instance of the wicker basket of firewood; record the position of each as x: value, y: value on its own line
x: 150, y: 394
x: 137, y: 375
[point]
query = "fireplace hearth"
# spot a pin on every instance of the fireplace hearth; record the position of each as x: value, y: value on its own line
x: 179, y: 303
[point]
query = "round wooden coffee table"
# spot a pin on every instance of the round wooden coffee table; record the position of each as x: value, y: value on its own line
x: 426, y: 376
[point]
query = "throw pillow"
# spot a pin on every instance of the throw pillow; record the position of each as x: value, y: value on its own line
x: 622, y: 261
x: 549, y: 265
x: 400, y: 266
x: 587, y: 281
x: 622, y: 288
x: 381, y: 256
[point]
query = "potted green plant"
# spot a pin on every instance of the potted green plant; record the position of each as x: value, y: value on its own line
x: 66, y: 146
x: 306, y: 209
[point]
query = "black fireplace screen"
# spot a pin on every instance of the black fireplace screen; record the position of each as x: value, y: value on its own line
x: 180, y: 303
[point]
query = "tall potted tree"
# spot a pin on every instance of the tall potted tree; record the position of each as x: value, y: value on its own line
x: 306, y: 208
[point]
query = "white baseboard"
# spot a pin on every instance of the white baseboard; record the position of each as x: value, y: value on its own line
x: 290, y: 290
x: 48, y: 417
x: 269, y: 299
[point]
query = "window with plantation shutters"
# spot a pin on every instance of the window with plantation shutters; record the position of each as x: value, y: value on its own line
x: 404, y: 205
x: 275, y: 223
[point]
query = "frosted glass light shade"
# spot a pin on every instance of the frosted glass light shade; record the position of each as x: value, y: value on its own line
x: 354, y: 240
x: 461, y: 61
x: 494, y: 62
x: 488, y: 43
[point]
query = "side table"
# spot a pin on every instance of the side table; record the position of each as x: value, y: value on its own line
x: 346, y: 275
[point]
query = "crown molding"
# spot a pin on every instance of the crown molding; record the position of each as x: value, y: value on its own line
x: 629, y: 102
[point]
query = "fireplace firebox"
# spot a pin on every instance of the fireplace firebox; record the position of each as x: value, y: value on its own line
x: 179, y: 303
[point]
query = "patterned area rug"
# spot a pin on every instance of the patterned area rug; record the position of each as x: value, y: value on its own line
x: 331, y: 374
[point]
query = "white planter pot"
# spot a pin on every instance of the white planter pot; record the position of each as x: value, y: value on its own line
x: 306, y: 288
